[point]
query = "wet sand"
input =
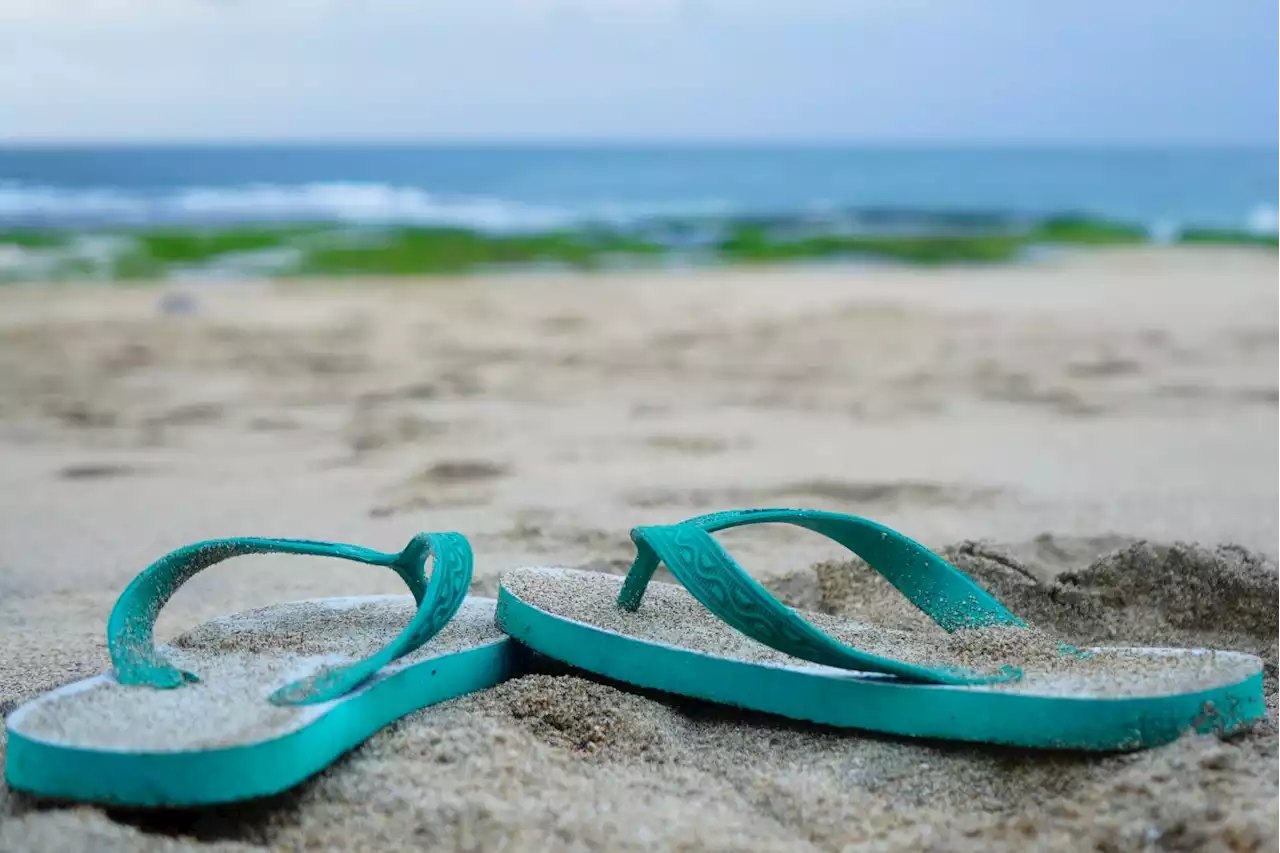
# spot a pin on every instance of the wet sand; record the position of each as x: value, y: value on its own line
x: 1093, y: 437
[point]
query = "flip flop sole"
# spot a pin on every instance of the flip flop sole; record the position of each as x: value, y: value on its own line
x: 176, y: 778
x: 887, y: 704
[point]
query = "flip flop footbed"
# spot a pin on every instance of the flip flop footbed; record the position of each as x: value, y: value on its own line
x: 223, y: 718
x: 536, y: 604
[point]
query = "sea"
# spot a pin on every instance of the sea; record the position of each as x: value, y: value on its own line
x: 505, y: 188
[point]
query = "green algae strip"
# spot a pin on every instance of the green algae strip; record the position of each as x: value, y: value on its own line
x: 324, y: 250
x: 1229, y: 238
x: 417, y: 251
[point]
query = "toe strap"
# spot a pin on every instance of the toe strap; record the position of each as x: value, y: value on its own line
x: 131, y: 627
x: 716, y: 580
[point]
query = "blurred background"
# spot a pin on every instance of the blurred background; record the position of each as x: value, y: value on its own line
x: 202, y: 139
x: 541, y: 270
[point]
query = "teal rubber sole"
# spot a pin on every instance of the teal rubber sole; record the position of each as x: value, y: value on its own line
x: 204, y: 777
x: 886, y: 704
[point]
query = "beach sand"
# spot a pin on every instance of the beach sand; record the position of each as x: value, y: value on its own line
x: 1093, y: 437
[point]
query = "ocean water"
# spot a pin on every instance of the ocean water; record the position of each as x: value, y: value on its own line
x: 505, y: 189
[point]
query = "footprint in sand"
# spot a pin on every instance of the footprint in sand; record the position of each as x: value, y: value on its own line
x: 97, y: 471
x: 450, y: 482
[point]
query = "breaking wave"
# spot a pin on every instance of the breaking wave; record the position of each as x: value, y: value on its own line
x: 355, y: 203
x: 33, y: 205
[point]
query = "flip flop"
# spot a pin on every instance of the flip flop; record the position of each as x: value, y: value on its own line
x: 252, y: 704
x: 986, y: 676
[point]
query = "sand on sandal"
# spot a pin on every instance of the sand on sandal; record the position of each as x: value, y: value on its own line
x: 669, y: 615
x: 241, y: 660
x: 1092, y: 438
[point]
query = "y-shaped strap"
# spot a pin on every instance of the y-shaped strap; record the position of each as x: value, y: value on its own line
x: 944, y: 593
x: 130, y: 630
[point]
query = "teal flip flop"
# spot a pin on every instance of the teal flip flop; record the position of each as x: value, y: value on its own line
x: 984, y: 676
x: 252, y: 704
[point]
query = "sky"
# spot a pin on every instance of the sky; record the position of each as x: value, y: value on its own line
x: 919, y: 71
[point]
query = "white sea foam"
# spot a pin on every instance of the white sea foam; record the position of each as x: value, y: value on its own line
x: 1264, y: 219
x: 1163, y: 231
x: 330, y: 202
x: 385, y: 204
x: 337, y: 202
x: 20, y: 202
x: 359, y: 203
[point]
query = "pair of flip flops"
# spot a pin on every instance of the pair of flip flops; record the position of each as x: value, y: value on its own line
x: 251, y: 704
